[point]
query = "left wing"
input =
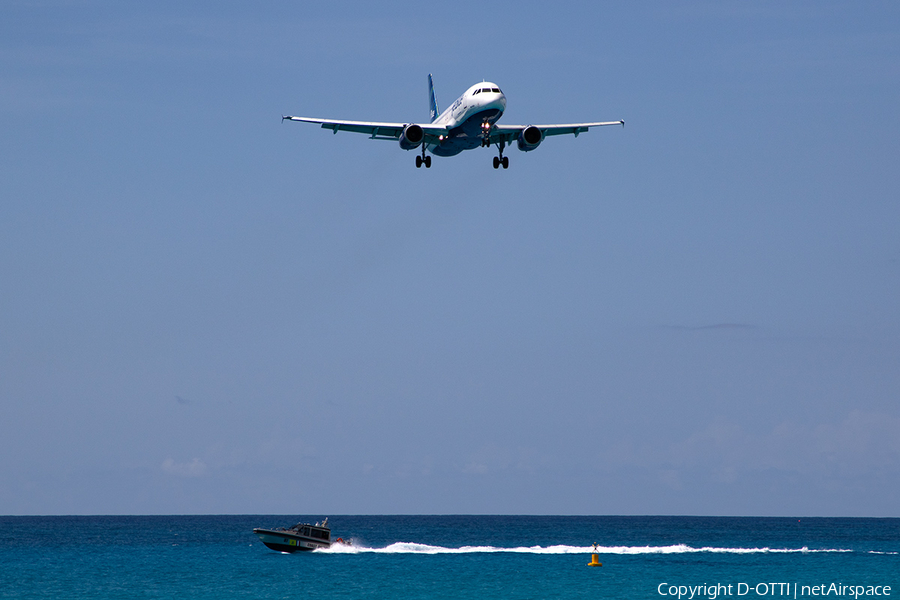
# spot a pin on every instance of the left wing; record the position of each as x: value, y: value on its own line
x: 509, y: 133
x: 375, y: 131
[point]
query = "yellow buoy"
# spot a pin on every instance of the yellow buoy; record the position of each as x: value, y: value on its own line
x: 595, y: 559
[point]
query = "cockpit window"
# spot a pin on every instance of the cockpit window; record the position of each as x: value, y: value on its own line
x: 497, y: 90
x: 476, y: 92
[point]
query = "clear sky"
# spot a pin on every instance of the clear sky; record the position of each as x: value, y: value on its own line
x: 204, y: 310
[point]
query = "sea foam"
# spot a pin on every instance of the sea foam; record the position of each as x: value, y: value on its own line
x: 417, y: 548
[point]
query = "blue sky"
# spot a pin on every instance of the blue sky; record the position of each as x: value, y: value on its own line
x: 204, y: 310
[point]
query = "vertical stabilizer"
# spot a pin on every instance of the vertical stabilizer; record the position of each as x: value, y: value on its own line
x: 434, y: 106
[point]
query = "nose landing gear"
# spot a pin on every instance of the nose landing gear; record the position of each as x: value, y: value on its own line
x: 486, y: 133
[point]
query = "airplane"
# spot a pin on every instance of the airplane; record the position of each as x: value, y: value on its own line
x: 470, y: 122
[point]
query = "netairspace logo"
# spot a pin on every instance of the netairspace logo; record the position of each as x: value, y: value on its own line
x: 788, y: 590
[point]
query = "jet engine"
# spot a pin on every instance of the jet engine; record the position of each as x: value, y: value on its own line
x: 412, y: 136
x: 529, y: 138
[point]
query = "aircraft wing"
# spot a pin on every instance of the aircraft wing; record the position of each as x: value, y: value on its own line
x: 375, y: 130
x: 509, y: 133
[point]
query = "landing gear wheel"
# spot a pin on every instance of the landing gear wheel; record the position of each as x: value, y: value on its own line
x: 423, y: 160
x: 501, y: 160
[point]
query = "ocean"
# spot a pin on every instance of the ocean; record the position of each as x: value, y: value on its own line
x: 453, y: 557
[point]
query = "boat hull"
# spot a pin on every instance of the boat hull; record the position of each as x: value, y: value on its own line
x: 286, y: 541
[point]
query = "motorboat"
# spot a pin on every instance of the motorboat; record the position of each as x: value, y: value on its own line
x: 302, y: 536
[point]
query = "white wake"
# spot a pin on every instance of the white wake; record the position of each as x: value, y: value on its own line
x: 415, y: 548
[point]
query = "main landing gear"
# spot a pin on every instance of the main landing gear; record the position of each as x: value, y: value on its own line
x: 501, y: 160
x: 423, y: 160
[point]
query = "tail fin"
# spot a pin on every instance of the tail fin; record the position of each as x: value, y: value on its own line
x: 434, y: 106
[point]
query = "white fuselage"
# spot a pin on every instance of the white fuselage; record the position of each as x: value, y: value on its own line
x: 479, y: 108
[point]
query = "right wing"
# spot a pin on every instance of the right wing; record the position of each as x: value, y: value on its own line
x: 375, y: 131
x: 509, y: 133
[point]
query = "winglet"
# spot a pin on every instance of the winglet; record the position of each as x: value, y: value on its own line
x: 432, y: 101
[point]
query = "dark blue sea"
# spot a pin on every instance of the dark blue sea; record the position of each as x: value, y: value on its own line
x: 454, y: 557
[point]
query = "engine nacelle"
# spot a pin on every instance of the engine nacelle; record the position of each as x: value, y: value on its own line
x: 412, y: 136
x: 530, y: 138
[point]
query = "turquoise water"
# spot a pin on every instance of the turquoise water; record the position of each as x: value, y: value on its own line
x: 449, y: 557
